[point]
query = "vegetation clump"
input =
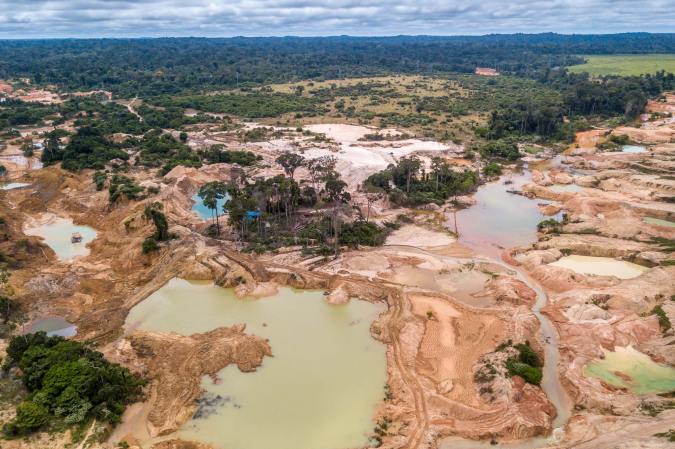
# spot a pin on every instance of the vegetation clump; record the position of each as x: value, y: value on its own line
x: 664, y: 321
x: 216, y: 155
x: 88, y: 148
x: 526, y: 364
x: 67, y: 382
x: 492, y: 170
x: 122, y: 186
x: 500, y: 149
x: 407, y: 185
x: 153, y: 212
x: 550, y: 225
x: 361, y: 232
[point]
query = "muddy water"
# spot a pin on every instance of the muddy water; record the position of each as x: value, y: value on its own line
x: 57, y: 234
x: 52, y: 326
x: 659, y: 222
x: 499, y: 219
x: 319, y: 391
x: 204, y: 212
x: 463, y: 284
x: 629, y: 368
x: 601, y: 266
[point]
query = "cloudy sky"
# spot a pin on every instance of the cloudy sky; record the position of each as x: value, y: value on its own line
x: 109, y: 18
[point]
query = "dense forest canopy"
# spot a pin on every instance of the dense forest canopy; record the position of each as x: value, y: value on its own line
x: 130, y: 67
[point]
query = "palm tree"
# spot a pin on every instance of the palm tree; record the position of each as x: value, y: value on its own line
x: 211, y: 193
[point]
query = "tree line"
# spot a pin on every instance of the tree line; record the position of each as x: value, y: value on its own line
x: 130, y: 67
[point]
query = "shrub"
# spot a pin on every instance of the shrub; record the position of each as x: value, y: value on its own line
x: 664, y: 321
x: 492, y: 169
x: 550, y: 224
x: 500, y: 149
x: 99, y: 179
x: 529, y: 373
x: 123, y: 185
x: 527, y: 355
x: 363, y: 233
x: 149, y: 245
x: 29, y: 418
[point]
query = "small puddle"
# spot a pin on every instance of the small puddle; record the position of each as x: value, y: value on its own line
x: 633, y: 149
x: 14, y: 185
x: 53, y: 326
x: 659, y: 222
x: 601, y: 266
x: 319, y: 391
x: 559, y: 188
x: 57, y: 234
x: 628, y: 368
x: 462, y: 284
x: 204, y: 212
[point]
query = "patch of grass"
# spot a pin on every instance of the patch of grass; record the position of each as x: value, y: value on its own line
x: 664, y: 322
x: 669, y: 435
x: 625, y: 65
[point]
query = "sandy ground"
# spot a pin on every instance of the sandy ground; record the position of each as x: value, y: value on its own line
x: 412, y: 235
x: 358, y: 159
x: 435, y: 342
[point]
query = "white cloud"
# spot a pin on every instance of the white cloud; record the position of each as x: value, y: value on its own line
x: 94, y: 18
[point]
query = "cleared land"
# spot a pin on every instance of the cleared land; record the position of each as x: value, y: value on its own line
x: 626, y: 65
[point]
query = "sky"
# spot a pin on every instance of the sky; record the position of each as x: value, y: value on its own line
x: 223, y: 18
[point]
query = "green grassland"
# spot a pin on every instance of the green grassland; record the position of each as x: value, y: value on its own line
x: 626, y: 65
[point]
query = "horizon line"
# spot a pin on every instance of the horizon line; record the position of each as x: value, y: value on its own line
x: 325, y: 36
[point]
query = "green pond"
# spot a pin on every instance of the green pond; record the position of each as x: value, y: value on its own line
x: 659, y: 222
x: 559, y: 188
x: 321, y: 388
x: 631, y: 369
x: 600, y: 266
x: 57, y: 235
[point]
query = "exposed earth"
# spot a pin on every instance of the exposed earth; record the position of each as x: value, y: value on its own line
x: 451, y: 309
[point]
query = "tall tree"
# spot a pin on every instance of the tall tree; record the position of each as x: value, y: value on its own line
x: 154, y: 212
x: 290, y: 162
x: 211, y: 193
x: 409, y: 167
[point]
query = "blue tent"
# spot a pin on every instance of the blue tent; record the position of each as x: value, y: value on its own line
x: 252, y: 215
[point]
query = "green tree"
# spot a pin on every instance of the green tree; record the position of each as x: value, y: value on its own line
x: 408, y: 168
x: 290, y: 162
x: 211, y: 193
x: 154, y: 212
x: 29, y: 418
x: 335, y: 189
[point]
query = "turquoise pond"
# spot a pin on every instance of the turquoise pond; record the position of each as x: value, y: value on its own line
x: 633, y: 149
x: 204, y: 212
